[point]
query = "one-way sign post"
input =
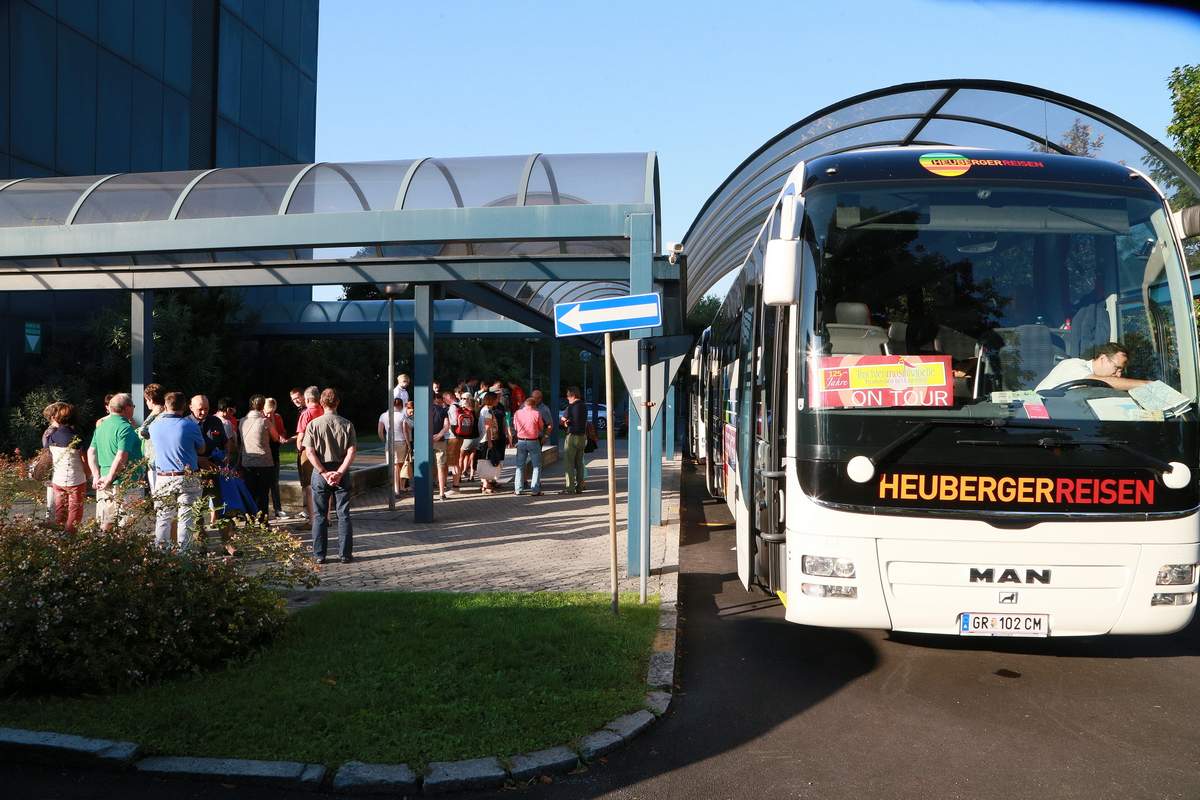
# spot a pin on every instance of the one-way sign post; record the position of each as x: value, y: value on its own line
x: 656, y: 359
x: 606, y: 315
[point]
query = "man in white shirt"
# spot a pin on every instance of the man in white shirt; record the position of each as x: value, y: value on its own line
x: 400, y: 449
x: 400, y: 392
x: 1108, y: 365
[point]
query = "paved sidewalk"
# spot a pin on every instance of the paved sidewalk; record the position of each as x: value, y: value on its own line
x: 502, y: 542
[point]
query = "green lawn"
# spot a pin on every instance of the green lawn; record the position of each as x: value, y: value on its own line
x: 392, y: 677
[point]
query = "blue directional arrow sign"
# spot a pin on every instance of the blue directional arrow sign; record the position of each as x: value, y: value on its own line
x: 608, y: 314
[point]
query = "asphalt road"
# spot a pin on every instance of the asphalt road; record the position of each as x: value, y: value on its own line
x: 769, y: 709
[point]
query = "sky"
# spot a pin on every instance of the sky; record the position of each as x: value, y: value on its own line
x: 703, y: 84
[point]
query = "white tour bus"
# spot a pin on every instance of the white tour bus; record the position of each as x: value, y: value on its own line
x: 876, y: 403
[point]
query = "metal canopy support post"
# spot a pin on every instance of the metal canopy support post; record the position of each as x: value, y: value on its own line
x: 641, y: 281
x: 141, y: 344
x: 423, y: 477
x: 552, y: 390
x: 391, y: 407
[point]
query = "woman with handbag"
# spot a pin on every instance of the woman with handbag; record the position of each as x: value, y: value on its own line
x: 493, y: 440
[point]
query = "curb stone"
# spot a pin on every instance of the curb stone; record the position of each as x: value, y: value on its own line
x: 597, y: 744
x: 658, y: 702
x: 631, y: 725
x: 472, y: 773
x: 48, y: 744
x: 276, y: 773
x: 356, y: 777
x: 555, y: 760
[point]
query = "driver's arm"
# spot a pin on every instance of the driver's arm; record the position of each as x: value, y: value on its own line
x: 1123, y: 384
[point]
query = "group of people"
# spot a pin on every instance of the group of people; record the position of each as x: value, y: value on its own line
x: 181, y: 453
x: 473, y: 425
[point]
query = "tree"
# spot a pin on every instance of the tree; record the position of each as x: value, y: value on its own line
x: 1184, y: 132
x: 1184, y: 129
x: 702, y: 314
x: 1077, y: 140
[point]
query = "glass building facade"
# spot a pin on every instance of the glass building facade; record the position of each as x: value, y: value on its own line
x: 99, y: 86
x: 93, y: 87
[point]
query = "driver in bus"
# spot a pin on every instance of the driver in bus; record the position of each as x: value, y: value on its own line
x: 1108, y: 365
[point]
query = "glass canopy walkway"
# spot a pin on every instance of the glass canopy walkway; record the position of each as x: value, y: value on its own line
x: 509, y: 236
x: 959, y: 113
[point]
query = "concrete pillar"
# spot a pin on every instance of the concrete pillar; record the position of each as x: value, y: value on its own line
x: 141, y: 345
x: 424, y: 478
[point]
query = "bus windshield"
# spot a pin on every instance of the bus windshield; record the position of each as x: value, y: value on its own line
x: 1007, y: 301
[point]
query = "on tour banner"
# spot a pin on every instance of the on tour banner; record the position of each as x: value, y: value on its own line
x: 881, y: 381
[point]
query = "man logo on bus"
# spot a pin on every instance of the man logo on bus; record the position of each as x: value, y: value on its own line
x: 947, y: 165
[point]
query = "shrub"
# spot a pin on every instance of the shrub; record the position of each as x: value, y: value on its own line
x: 94, y: 611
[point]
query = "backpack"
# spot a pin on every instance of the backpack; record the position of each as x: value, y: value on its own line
x: 465, y: 426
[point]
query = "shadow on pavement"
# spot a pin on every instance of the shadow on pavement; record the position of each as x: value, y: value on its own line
x: 1184, y: 643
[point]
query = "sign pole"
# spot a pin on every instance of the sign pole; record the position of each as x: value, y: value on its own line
x: 612, y: 470
x: 644, y: 507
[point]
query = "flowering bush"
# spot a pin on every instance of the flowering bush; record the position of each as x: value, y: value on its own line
x: 94, y: 611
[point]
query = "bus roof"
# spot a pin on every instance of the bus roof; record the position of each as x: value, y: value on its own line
x: 968, y: 164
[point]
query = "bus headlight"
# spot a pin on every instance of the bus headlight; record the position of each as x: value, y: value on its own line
x: 827, y: 567
x: 1176, y: 574
x: 825, y: 590
x: 1166, y: 598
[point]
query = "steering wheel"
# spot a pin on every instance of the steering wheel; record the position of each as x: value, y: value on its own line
x: 1081, y: 383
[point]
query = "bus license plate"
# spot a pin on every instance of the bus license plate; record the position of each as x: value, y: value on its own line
x: 983, y: 624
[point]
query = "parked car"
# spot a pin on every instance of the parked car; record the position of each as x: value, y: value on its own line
x: 598, y: 416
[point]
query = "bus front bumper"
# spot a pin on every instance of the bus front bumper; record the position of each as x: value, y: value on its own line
x: 926, y: 586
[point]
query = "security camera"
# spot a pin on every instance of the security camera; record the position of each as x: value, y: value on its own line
x: 675, y: 247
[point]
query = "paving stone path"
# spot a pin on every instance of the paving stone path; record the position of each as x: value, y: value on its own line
x: 500, y: 542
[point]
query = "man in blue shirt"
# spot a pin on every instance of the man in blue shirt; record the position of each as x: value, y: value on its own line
x: 178, y: 444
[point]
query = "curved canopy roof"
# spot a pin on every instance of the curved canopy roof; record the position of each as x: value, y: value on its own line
x: 89, y: 214
x: 963, y: 112
x: 480, y: 182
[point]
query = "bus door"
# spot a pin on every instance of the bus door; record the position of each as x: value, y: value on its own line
x: 741, y: 495
x: 770, y: 391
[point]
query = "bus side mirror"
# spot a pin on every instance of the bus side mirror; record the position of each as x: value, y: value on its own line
x: 781, y: 272
x: 1190, y: 221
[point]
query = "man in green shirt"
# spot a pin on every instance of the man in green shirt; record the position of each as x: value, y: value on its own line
x: 115, y: 448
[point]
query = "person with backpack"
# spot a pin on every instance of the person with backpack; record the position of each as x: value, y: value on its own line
x: 467, y: 429
x: 454, y: 441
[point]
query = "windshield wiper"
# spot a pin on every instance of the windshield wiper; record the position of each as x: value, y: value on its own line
x: 921, y: 427
x: 1162, y: 467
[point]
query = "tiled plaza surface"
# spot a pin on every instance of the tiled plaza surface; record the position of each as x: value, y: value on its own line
x: 500, y: 542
